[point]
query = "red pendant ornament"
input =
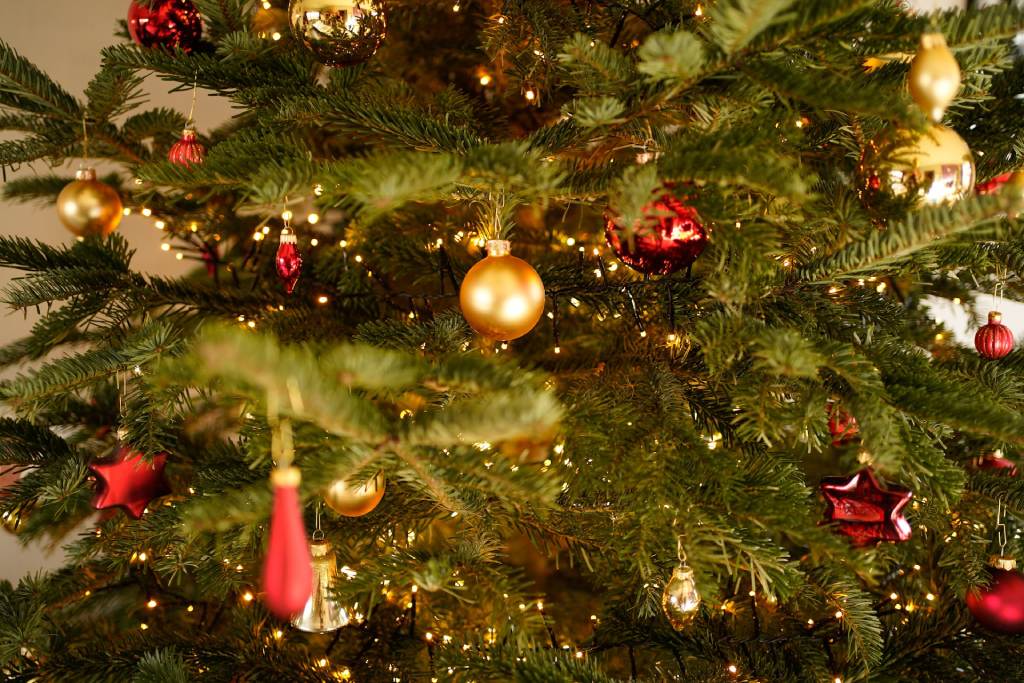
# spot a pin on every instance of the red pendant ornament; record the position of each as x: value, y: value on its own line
x: 670, y: 238
x: 288, y: 567
x: 865, y: 510
x: 289, y: 260
x: 165, y: 23
x: 841, y: 425
x: 994, y: 340
x: 1000, y: 605
x: 129, y: 482
x: 187, y: 151
x: 997, y: 463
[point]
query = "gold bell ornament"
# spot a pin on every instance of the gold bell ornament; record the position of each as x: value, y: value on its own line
x: 352, y: 499
x: 502, y: 296
x: 89, y: 207
x: 934, y: 78
x: 321, y: 613
x: 339, y: 32
x: 680, y: 600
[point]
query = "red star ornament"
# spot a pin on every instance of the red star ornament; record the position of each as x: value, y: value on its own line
x: 866, y: 510
x: 129, y: 482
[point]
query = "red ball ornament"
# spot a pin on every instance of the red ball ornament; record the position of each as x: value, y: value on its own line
x: 669, y: 238
x: 1000, y: 605
x: 289, y: 260
x: 841, y: 425
x: 288, y: 567
x: 865, y: 510
x: 165, y: 23
x: 187, y: 151
x: 994, y: 340
x: 129, y: 482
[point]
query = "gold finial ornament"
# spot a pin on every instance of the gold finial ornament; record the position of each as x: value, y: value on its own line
x: 502, y: 296
x: 934, y: 78
x: 87, y: 206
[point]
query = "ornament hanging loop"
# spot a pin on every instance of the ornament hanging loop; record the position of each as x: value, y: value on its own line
x: 318, y: 532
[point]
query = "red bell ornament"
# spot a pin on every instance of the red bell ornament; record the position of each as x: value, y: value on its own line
x: 167, y: 24
x: 866, y: 510
x: 994, y: 340
x: 670, y: 237
x: 187, y: 151
x: 288, y: 567
x: 1000, y: 605
x: 289, y: 260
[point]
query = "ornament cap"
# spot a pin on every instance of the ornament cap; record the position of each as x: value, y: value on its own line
x: 995, y: 318
x: 87, y: 173
x: 499, y: 247
x: 288, y: 237
x: 319, y: 548
x: 932, y: 40
x: 1003, y: 562
x: 286, y: 477
x: 122, y: 434
x: 189, y: 133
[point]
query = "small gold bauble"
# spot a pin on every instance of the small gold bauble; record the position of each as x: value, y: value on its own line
x: 934, y: 78
x: 931, y: 168
x: 87, y: 206
x: 502, y: 297
x: 339, y: 32
x: 680, y: 599
x: 353, y: 499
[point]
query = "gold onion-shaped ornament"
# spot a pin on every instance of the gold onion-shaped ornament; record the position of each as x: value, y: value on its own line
x: 680, y: 599
x: 352, y: 499
x: 931, y: 168
x: 502, y: 297
x: 934, y: 79
x: 89, y: 207
x: 321, y: 613
x: 339, y: 32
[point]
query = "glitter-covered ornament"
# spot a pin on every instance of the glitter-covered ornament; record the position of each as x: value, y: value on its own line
x: 166, y: 24
x: 670, y: 237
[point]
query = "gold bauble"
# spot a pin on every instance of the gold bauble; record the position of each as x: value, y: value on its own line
x: 680, y: 599
x: 502, y: 297
x: 934, y: 78
x: 354, y: 499
x: 339, y: 32
x: 931, y: 168
x: 270, y: 22
x: 89, y: 207
x: 321, y: 613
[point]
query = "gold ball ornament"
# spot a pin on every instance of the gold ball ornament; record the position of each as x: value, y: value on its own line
x: 502, y: 297
x: 910, y: 168
x: 934, y: 78
x: 339, y: 32
x: 87, y: 206
x: 352, y: 499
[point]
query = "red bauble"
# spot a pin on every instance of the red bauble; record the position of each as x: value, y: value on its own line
x: 289, y: 261
x: 994, y: 340
x: 1000, y: 606
x: 865, y: 510
x: 841, y: 425
x: 670, y: 238
x: 997, y: 463
x: 288, y: 567
x: 993, y: 184
x: 188, y: 150
x: 166, y: 23
x: 129, y: 482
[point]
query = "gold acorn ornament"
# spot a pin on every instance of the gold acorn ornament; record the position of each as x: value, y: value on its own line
x: 680, y: 600
x: 932, y: 168
x: 934, y: 78
x: 322, y: 612
x: 355, y: 499
x: 502, y: 296
x: 339, y: 32
x: 89, y: 207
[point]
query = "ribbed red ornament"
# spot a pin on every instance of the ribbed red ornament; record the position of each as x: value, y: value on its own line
x: 841, y: 425
x: 671, y: 238
x: 994, y: 340
x: 289, y: 261
x: 165, y: 23
x: 1000, y: 605
x: 188, y: 150
x: 288, y: 567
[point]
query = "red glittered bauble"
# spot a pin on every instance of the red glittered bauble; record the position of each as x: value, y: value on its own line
x: 669, y: 238
x: 129, y: 482
x: 841, y: 425
x: 288, y: 261
x: 1000, y: 605
x: 187, y: 151
x: 865, y: 510
x: 288, y: 566
x: 165, y: 23
x: 994, y: 340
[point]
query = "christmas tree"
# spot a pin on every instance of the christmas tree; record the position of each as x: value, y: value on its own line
x: 534, y: 340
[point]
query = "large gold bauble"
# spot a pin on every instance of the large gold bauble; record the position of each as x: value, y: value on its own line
x: 352, y: 499
x: 934, y: 78
x: 931, y: 168
x: 339, y: 32
x: 502, y: 297
x: 89, y: 207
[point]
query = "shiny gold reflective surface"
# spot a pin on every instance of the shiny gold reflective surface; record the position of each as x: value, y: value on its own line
x: 354, y: 499
x: 339, y: 32
x: 87, y: 206
x: 502, y: 297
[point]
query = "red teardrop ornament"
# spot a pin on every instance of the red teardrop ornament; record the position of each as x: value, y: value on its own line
x: 994, y: 340
x: 288, y: 568
x: 671, y: 237
x: 289, y: 261
x: 1000, y: 605
x: 165, y: 23
x: 188, y: 150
